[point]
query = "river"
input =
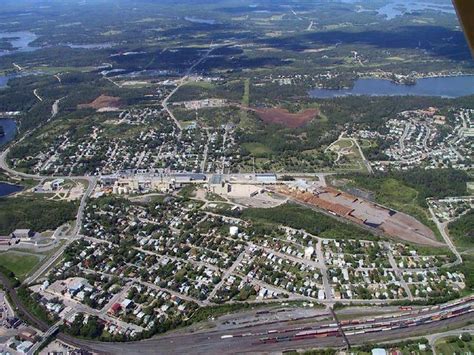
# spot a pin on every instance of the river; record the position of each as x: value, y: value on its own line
x: 447, y: 87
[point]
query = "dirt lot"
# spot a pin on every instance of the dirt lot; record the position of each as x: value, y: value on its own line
x: 363, y: 212
x: 285, y: 118
x: 103, y: 101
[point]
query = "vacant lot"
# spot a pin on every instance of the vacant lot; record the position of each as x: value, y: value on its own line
x: 396, y: 194
x: 103, y: 101
x: 395, y: 224
x: 285, y: 118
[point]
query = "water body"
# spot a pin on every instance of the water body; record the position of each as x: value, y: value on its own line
x: 8, y: 189
x: 89, y: 46
x: 448, y: 87
x: 9, y: 127
x: 4, y: 80
x: 400, y: 7
x: 200, y: 20
x: 20, y: 42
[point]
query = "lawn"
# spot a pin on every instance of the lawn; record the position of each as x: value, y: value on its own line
x: 257, y: 149
x: 200, y: 84
x: 19, y: 263
x: 343, y: 143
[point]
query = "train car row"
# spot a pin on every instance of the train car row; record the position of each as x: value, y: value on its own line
x: 413, y: 323
x: 307, y: 334
x: 388, y: 321
x: 354, y: 327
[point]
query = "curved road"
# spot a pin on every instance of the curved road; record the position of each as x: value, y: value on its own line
x: 91, y: 180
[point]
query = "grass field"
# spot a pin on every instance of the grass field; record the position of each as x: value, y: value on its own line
x: 343, y: 143
x: 245, y: 119
x: 454, y: 345
x: 19, y: 263
x: 200, y: 84
x: 257, y: 149
x: 246, y: 97
x: 347, y: 156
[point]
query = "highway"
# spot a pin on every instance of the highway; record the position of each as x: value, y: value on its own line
x: 442, y: 229
x: 181, y: 82
x: 72, y: 237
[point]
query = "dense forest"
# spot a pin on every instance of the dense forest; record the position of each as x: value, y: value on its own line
x: 436, y: 183
x: 299, y: 217
x: 35, y: 214
x: 462, y: 229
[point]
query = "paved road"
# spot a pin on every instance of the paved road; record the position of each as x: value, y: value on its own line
x: 433, y: 338
x: 362, y: 155
x: 397, y: 271
x: 35, y: 92
x: 181, y: 82
x: 323, y: 270
x: 226, y: 274
x: 72, y: 237
x: 442, y: 228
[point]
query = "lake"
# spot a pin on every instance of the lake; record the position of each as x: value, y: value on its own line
x: 20, y: 41
x: 448, y: 87
x: 8, y: 189
x: 5, y: 78
x: 9, y: 126
x: 396, y: 8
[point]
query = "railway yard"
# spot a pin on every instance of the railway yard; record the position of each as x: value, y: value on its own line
x: 304, y: 333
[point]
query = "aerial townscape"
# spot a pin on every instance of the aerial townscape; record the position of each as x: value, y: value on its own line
x: 236, y: 177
